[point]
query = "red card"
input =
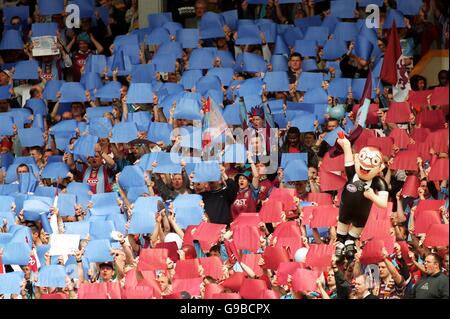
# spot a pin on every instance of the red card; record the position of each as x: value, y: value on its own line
x: 419, y: 99
x: 212, y: 266
x: 191, y: 285
x: 372, y: 252
x: 422, y: 149
x: 424, y: 220
x: 400, y: 137
x: 252, y: 288
x: 330, y: 181
x: 270, y: 294
x: 153, y: 259
x: 389, y: 243
x: 246, y: 219
x: 332, y: 164
x: 285, y: 269
x: 286, y: 196
x: 405, y: 160
x: 433, y: 120
x: 361, y: 142
x: 211, y: 289
x: 437, y: 236
x: 440, y: 96
x: 381, y: 213
x: 304, y: 280
x: 438, y: 140
x: 319, y: 256
x: 188, y: 237
x: 287, y: 229
x: 141, y: 292
x: 405, y: 250
x: 324, y: 216
x: 93, y: 291
x: 439, y: 170
x: 57, y: 296
x: 372, y: 116
x: 291, y: 244
x: 247, y: 237
x: 172, y: 248
x: 226, y: 296
x: 114, y: 290
x: 271, y: 211
x: 420, y: 134
x: 208, y: 235
x: 384, y: 144
x: 273, y: 256
x: 398, y: 112
x: 410, y: 186
x: 252, y: 260
x: 130, y: 279
x: 429, y: 204
x: 307, y: 213
x: 185, y: 269
x: 150, y: 281
x: 234, y: 282
x: 375, y: 229
x: 320, y: 198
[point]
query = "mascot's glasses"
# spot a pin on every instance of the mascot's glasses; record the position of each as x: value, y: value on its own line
x: 375, y: 160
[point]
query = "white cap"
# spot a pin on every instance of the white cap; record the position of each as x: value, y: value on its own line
x: 300, y: 255
x: 172, y: 237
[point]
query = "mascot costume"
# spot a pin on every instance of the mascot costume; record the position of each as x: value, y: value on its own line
x: 364, y: 187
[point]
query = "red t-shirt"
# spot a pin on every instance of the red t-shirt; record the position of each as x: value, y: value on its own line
x: 244, y: 202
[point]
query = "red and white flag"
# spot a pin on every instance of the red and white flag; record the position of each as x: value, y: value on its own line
x: 394, y: 70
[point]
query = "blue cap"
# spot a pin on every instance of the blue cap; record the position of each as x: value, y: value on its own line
x: 85, y: 145
x: 224, y: 74
x: 209, y: 82
x: 304, y: 23
x: 334, y: 49
x: 109, y: 91
x: 207, y: 172
x: 99, y: 251
x: 11, y: 40
x: 143, y: 73
x: 31, y: 137
x: 55, y: 170
x: 253, y: 63
x: 20, y: 11
x: 211, y: 26
x: 26, y: 70
x: 332, y: 136
x: 131, y: 176
x: 6, y: 125
x: 44, y: 29
x: 201, y: 59
x: 394, y: 15
x: 10, y: 283
x: 320, y: 34
x: 38, y: 106
x: 77, y: 228
x: 235, y: 153
x: 104, y: 204
x: 16, y: 253
x: 50, y: 7
x: 343, y: 8
x: 72, y: 92
x: 304, y: 122
x: 346, y: 31
x: 289, y: 157
x: 188, y: 38
x: 124, y: 132
x: 160, y: 132
x: 248, y: 35
x: 190, y: 78
x: 276, y: 81
x: 156, y: 20
x: 280, y: 46
x: 230, y: 18
x: 52, y: 87
x: 188, y: 210
x: 101, y: 229
x: 164, y: 63
x: 309, y: 80
x: 158, y: 36
x: 409, y: 7
x: 140, y: 93
x: 96, y: 63
x: 339, y: 87
x: 167, y: 163
x: 296, y: 170
x: 66, y: 204
x: 316, y: 96
x: 306, y: 47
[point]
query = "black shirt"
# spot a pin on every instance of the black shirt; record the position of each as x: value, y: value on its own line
x: 218, y: 203
x: 432, y: 287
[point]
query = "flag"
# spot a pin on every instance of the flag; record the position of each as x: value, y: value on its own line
x: 361, y: 116
x: 34, y: 263
x: 394, y: 70
x: 214, y: 124
x: 367, y: 93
